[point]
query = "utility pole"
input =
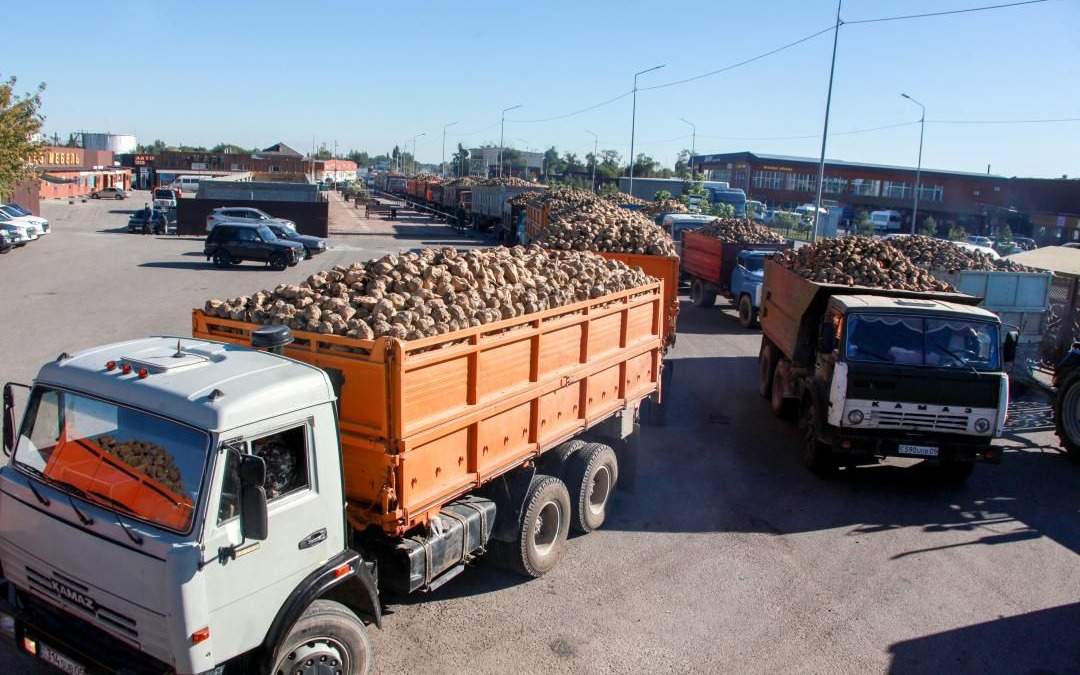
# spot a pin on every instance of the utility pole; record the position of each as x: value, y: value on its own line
x: 633, y: 123
x: 442, y: 164
x: 825, y: 132
x: 422, y: 133
x: 502, y: 127
x: 595, y: 144
x: 918, y: 167
x: 693, y: 144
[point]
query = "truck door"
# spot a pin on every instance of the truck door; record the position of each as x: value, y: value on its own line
x: 247, y: 582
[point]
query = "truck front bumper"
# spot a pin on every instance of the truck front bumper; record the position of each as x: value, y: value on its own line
x: 949, y: 447
x: 40, y: 627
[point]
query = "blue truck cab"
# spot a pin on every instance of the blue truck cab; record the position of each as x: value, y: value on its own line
x: 746, y: 282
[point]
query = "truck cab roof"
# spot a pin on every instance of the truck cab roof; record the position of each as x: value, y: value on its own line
x: 884, y: 303
x: 182, y: 376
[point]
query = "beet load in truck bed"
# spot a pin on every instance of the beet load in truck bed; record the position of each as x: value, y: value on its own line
x: 425, y: 421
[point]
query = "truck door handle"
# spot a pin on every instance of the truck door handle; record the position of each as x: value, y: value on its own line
x: 316, y: 537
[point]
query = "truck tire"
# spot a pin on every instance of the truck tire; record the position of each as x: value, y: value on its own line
x: 553, y: 462
x: 591, y: 475
x: 766, y: 365
x: 700, y: 295
x: 781, y: 406
x: 542, y: 531
x: 327, y: 637
x: 816, y: 455
x: 748, y: 316
x: 1067, y: 415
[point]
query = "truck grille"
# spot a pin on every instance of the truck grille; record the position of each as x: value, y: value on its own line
x: 920, y: 421
x: 67, y: 592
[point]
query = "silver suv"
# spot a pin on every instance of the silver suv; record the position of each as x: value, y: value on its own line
x: 243, y: 214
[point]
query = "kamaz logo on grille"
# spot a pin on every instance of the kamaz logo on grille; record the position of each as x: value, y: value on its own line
x: 72, y: 595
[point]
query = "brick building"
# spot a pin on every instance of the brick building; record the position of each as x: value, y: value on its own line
x: 65, y: 173
x: 278, y: 158
x: 1045, y: 208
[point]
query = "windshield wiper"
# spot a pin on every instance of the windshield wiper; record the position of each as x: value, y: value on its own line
x: 120, y: 506
x: 45, y: 501
x: 959, y: 359
x: 56, y: 482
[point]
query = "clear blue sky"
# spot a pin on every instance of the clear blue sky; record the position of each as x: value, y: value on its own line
x: 370, y: 75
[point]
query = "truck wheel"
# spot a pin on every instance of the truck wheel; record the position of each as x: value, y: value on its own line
x: 591, y: 473
x: 700, y: 295
x: 781, y: 405
x: 553, y: 462
x: 327, y: 638
x: 956, y: 472
x: 278, y: 262
x: 221, y: 259
x: 816, y: 455
x: 747, y: 313
x: 1067, y: 415
x: 545, y: 522
x: 766, y: 364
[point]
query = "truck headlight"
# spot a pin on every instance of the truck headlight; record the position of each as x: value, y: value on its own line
x: 855, y: 417
x: 982, y: 425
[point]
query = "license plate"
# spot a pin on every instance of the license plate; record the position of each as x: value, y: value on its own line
x: 58, y: 660
x: 920, y: 450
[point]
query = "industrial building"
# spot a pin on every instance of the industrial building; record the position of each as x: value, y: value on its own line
x: 66, y: 173
x: 1047, y: 209
x: 485, y: 162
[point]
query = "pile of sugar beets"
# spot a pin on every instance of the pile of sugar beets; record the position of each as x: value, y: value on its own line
x: 432, y: 292
x: 578, y: 220
x: 740, y: 231
x: 149, y: 458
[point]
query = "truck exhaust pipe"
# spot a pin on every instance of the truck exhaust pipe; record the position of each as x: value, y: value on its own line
x: 271, y: 338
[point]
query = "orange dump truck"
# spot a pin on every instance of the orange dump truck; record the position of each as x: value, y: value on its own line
x: 426, y: 423
x: 662, y: 267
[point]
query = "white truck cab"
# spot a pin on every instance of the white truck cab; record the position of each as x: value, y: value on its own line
x: 177, y: 505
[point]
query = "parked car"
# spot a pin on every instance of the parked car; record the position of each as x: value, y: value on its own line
x: 36, y: 224
x: 243, y: 214
x: 312, y: 245
x: 980, y: 241
x: 6, y: 241
x: 232, y: 243
x: 159, y: 221
x: 1026, y: 243
x: 988, y: 250
x: 165, y: 198
x: 17, y: 232
x: 109, y: 193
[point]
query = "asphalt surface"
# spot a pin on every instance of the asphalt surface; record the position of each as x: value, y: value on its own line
x: 728, y: 557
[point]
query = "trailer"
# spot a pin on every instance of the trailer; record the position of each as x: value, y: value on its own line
x: 231, y: 551
x: 874, y: 373
x: 491, y: 203
x: 735, y: 271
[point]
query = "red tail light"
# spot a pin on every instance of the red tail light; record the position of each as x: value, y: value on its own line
x: 143, y: 373
x: 125, y: 369
x: 110, y: 365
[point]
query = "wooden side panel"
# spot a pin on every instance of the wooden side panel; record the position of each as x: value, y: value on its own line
x: 640, y: 376
x: 561, y: 349
x: 433, y: 392
x: 503, y: 368
x: 434, y: 469
x: 560, y: 411
x: 639, y: 324
x: 602, y: 392
x: 604, y: 335
x: 665, y: 269
x: 502, y: 440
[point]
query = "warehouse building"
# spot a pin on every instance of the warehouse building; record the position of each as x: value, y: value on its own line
x: 1047, y: 209
x: 153, y: 169
x: 67, y: 173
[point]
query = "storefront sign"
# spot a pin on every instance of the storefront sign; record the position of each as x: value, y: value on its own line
x: 143, y: 160
x: 59, y: 157
x: 767, y: 167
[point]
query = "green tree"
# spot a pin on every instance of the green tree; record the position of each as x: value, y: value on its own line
x: 786, y: 220
x: 863, y: 224
x: 553, y: 166
x: 360, y: 157
x: 957, y: 233
x: 20, y: 123
x: 323, y: 152
x: 721, y: 210
x: 155, y: 148
x: 610, y: 163
x: 73, y: 141
x: 661, y: 195
x: 1005, y: 233
x: 682, y: 164
x: 461, y: 161
x: 230, y: 148
x: 928, y: 227
x: 644, y: 166
x: 571, y: 163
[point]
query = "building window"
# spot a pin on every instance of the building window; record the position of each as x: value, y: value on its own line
x: 805, y: 182
x: 768, y: 180
x: 834, y: 184
x: 895, y: 190
x: 865, y: 187
x: 722, y: 175
x: 931, y: 193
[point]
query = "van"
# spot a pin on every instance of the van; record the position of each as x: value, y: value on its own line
x: 187, y: 185
x: 886, y: 221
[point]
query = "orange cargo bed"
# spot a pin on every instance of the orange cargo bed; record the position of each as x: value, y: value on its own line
x: 425, y: 421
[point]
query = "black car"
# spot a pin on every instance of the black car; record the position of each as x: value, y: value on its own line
x: 312, y: 245
x: 232, y: 243
x: 159, y: 222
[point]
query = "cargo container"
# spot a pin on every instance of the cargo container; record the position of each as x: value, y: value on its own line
x: 735, y: 271
x: 294, y: 477
x: 876, y: 373
x: 491, y: 203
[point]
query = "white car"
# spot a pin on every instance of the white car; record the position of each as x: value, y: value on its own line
x: 14, y: 214
x: 165, y: 198
x: 243, y: 214
x: 981, y: 249
x: 18, y: 232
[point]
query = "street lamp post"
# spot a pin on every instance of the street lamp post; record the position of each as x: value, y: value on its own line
x: 918, y: 167
x: 595, y: 145
x: 633, y: 123
x: 502, y: 128
x: 422, y: 133
x: 825, y: 131
x: 442, y: 164
x: 693, y: 144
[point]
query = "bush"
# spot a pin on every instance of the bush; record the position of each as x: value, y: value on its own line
x: 929, y: 227
x: 957, y: 233
x: 863, y: 224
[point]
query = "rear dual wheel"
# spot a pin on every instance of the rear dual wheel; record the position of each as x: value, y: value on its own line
x: 591, y: 474
x: 701, y: 295
x: 542, y: 530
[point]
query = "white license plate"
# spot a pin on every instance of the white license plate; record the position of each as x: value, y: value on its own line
x: 63, y: 663
x: 920, y: 450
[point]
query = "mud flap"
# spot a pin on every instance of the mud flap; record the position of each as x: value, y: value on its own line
x: 508, y: 492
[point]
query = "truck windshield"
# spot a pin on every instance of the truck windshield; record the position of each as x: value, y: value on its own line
x: 163, y: 194
x: 122, y: 459
x: 754, y: 263
x: 915, y: 341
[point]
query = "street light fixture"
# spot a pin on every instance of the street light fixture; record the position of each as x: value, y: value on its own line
x: 633, y: 122
x: 502, y: 127
x: 422, y: 133
x: 442, y: 164
x: 595, y: 144
x: 693, y: 143
x: 918, y: 168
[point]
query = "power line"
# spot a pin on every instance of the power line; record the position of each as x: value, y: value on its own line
x: 945, y: 13
x: 740, y: 63
x: 576, y: 112
x: 1043, y: 121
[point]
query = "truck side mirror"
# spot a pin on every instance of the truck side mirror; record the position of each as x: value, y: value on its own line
x: 1008, y: 350
x: 253, y: 521
x: 9, y: 419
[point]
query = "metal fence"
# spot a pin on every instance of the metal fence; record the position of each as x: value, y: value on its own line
x: 1062, y: 320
